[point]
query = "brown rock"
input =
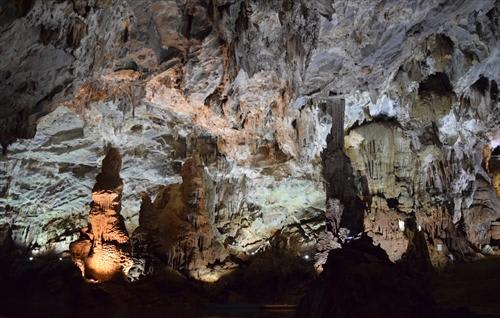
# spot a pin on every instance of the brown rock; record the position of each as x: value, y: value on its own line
x: 102, y: 252
x: 495, y: 231
x: 177, y: 225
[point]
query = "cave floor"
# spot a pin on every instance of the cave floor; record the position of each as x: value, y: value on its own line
x: 45, y: 288
x: 474, y: 285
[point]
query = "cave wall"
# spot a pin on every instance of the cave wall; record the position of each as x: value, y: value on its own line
x: 417, y: 150
x: 235, y: 90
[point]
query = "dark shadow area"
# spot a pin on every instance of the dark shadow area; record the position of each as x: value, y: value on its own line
x: 361, y: 281
x: 358, y: 281
x: 473, y: 285
x: 438, y: 83
x: 268, y: 284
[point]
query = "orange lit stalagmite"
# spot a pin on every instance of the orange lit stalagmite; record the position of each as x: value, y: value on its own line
x: 102, y: 251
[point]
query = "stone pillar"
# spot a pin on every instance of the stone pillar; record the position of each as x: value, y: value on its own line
x: 102, y: 251
x: 337, y: 111
x: 345, y: 208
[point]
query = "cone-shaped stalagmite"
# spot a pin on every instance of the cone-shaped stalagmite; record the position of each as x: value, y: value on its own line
x: 101, y: 252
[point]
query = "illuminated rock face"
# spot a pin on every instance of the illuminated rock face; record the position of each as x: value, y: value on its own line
x: 235, y: 90
x: 491, y: 161
x: 417, y: 153
x: 177, y: 226
x: 102, y: 251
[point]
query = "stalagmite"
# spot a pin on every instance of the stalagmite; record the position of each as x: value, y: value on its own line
x: 102, y: 251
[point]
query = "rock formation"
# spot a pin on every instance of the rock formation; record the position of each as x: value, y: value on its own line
x: 221, y: 105
x: 419, y: 155
x: 102, y: 251
x: 176, y: 227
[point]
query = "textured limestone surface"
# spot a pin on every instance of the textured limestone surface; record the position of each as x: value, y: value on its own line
x: 103, y: 249
x: 218, y: 111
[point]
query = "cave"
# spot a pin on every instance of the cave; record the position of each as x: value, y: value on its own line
x: 249, y: 158
x: 435, y: 97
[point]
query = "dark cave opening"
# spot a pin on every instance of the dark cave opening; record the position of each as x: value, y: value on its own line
x: 437, y: 83
x: 496, y: 151
x: 482, y: 85
x: 392, y: 203
x: 494, y: 91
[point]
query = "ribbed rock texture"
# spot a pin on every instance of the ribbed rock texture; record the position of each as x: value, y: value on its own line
x: 176, y: 228
x: 103, y: 249
x: 221, y: 110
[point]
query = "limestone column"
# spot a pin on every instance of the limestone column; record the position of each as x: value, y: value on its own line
x: 344, y: 208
